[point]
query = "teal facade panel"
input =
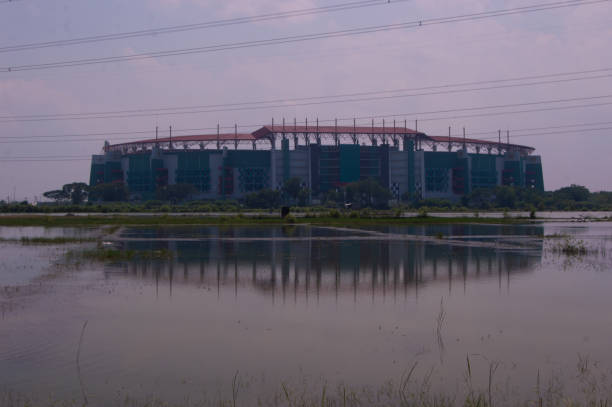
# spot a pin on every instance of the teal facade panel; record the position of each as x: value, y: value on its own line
x: 193, y: 167
x: 349, y: 163
x: 534, y: 176
x: 484, y: 171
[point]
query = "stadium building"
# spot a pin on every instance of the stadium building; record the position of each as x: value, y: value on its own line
x: 407, y: 162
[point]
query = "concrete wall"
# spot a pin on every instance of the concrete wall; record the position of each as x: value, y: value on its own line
x: 299, y: 164
x: 398, y: 170
x: 171, y: 163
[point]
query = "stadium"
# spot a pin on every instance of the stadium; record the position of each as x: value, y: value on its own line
x: 409, y: 163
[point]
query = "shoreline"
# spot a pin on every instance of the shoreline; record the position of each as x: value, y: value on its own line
x: 259, y: 219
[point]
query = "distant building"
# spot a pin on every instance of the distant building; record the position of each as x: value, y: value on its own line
x: 407, y: 162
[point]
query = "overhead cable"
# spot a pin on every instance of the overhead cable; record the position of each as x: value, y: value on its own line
x: 305, y: 37
x: 309, y: 101
x: 199, y: 26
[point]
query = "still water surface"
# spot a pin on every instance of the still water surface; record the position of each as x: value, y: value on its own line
x: 304, y: 304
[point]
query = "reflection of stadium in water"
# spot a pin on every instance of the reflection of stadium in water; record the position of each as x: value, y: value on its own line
x: 277, y: 264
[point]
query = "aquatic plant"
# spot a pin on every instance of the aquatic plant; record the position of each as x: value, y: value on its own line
x: 111, y: 254
x: 414, y: 388
x: 570, y: 247
x: 556, y: 236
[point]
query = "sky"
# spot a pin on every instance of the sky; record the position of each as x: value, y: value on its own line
x: 564, y: 110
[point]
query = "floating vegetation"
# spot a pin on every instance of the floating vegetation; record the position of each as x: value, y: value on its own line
x: 557, y: 236
x: 113, y: 254
x: 31, y: 241
x: 54, y: 240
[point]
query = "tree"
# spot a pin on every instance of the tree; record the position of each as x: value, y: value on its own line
x: 291, y: 187
x: 368, y: 193
x: 303, y: 197
x: 294, y: 192
x: 480, y: 198
x: 110, y: 192
x: 333, y: 197
x: 75, y: 192
x: 57, y: 195
x: 175, y: 192
x: 505, y: 197
x: 574, y: 192
x: 266, y: 198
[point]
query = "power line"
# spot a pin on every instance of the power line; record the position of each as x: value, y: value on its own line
x: 514, y: 131
x: 336, y: 52
x: 306, y: 37
x: 120, y: 133
x: 557, y: 132
x: 549, y: 133
x: 509, y: 105
x: 58, y: 137
x: 25, y: 157
x: 200, y: 26
x: 410, y: 115
x: 485, y: 114
x: 34, y: 139
x: 307, y: 101
x: 21, y: 140
x: 87, y: 158
x: 47, y: 159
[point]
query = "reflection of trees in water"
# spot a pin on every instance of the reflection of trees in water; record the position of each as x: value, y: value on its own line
x: 307, y: 267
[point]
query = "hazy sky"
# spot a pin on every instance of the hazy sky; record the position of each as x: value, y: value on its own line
x: 574, y: 142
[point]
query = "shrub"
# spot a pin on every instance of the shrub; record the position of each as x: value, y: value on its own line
x: 365, y: 214
x: 334, y: 213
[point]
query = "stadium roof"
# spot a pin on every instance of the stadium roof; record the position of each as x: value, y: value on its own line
x: 477, y: 142
x: 194, y: 138
x: 266, y: 131
x: 313, y: 129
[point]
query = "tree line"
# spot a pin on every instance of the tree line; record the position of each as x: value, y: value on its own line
x: 366, y: 193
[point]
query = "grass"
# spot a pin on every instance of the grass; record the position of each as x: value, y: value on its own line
x: 414, y: 388
x: 332, y: 218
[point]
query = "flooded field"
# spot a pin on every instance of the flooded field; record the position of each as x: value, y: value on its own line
x: 287, y: 313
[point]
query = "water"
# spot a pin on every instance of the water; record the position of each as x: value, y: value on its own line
x: 7, y: 232
x: 307, y: 306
